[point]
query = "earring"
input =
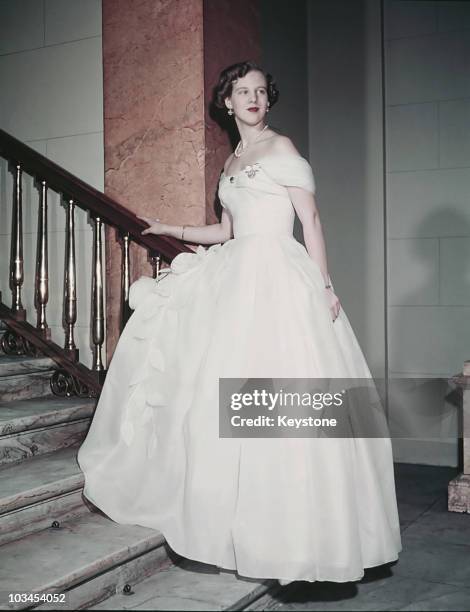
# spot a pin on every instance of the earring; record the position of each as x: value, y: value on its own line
x: 267, y: 108
x: 230, y: 111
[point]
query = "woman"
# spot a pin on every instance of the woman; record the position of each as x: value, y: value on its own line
x: 258, y: 305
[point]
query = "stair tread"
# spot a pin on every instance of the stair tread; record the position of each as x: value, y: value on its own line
x: 190, y: 585
x: 77, y: 551
x: 12, y: 365
x: 21, y: 415
x: 27, y: 482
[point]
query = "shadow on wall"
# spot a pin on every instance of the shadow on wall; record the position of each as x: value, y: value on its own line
x: 427, y: 281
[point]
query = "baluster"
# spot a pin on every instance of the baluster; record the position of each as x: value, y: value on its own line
x: 41, y: 295
x: 70, y: 283
x: 125, y: 281
x: 97, y: 300
x: 155, y: 261
x: 16, y: 255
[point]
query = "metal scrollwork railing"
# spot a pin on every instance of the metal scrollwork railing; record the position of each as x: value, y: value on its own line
x: 14, y: 344
x: 72, y: 377
x: 65, y: 384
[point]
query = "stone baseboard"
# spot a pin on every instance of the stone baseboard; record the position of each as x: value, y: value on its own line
x: 459, y: 494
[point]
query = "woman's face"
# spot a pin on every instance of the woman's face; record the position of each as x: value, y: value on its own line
x: 249, y: 92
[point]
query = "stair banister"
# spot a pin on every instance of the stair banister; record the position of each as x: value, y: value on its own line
x: 103, y: 210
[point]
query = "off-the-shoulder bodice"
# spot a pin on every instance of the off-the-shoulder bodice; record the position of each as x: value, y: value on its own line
x: 257, y: 195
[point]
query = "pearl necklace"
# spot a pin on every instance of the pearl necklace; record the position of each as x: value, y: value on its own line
x: 239, y: 153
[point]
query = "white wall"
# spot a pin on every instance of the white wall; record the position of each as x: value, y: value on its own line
x: 389, y: 142
x: 52, y: 99
x: 428, y: 207
x: 346, y: 151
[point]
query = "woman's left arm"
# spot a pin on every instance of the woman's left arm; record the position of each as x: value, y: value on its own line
x: 306, y: 208
x: 307, y: 211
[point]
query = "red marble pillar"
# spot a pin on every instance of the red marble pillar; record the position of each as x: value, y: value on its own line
x: 163, y: 152
x: 231, y: 34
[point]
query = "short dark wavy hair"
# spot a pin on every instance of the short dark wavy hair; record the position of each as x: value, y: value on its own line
x: 223, y: 89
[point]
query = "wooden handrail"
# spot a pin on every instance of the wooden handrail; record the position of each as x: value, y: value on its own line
x: 87, y: 197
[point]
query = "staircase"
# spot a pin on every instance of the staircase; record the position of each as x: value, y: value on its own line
x: 52, y: 540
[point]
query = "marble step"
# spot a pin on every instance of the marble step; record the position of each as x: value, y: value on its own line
x: 25, y: 386
x: 42, y: 425
x: 24, y: 377
x: 23, y: 415
x: 37, y: 492
x: 88, y: 559
x: 11, y: 365
x: 189, y: 585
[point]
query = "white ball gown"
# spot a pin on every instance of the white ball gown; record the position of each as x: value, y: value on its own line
x: 255, y: 306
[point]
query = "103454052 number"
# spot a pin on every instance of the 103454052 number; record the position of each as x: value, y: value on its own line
x: 60, y: 598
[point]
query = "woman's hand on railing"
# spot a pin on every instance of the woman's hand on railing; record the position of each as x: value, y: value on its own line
x: 203, y: 234
x: 155, y: 227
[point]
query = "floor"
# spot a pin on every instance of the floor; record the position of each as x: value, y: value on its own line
x: 433, y: 571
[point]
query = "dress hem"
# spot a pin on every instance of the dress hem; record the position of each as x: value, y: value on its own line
x: 248, y: 574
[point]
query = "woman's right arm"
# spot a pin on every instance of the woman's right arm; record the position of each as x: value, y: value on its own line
x: 204, y: 234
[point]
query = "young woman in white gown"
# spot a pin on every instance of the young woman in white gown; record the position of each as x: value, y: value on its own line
x: 258, y: 304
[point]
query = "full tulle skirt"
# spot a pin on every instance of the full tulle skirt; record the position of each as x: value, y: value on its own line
x: 287, y: 508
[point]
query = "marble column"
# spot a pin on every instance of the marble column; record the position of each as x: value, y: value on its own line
x: 459, y: 487
x: 163, y: 150
x: 232, y: 33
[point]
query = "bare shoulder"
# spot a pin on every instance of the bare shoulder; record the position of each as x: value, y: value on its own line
x: 228, y: 161
x: 283, y: 145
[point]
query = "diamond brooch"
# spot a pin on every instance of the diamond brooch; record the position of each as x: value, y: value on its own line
x: 251, y: 171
